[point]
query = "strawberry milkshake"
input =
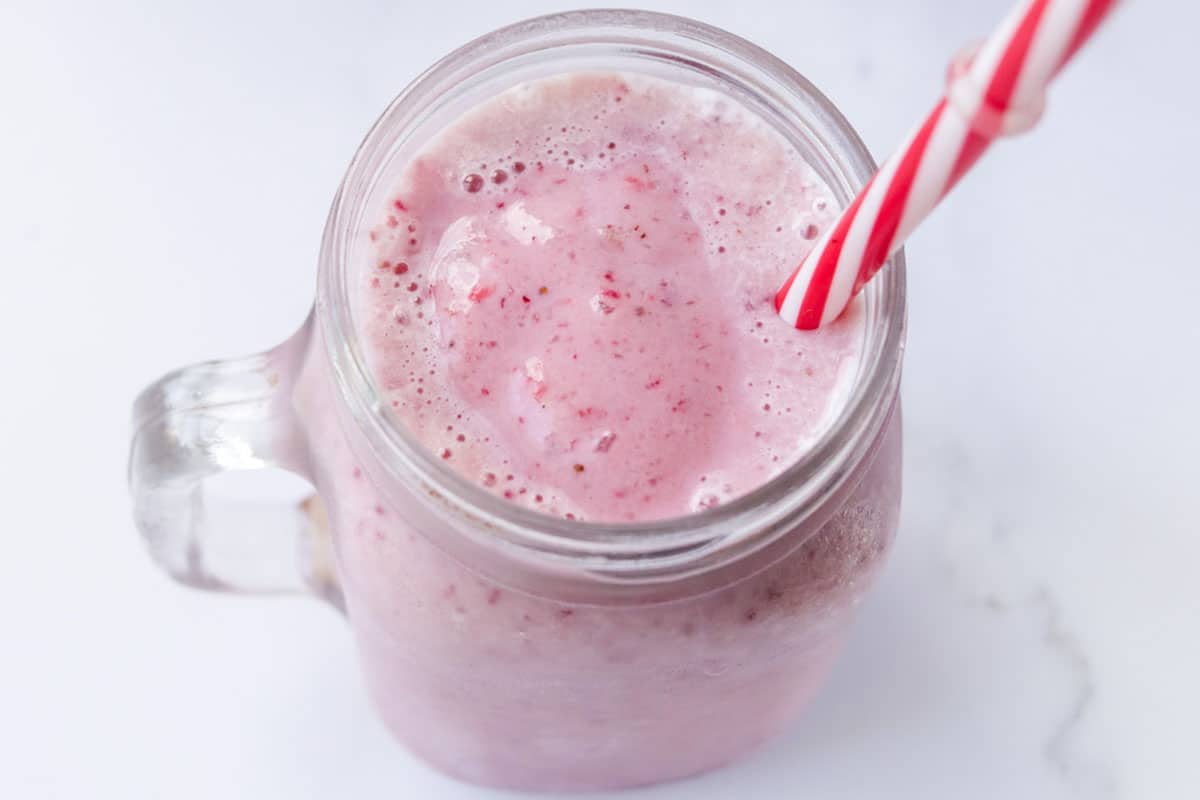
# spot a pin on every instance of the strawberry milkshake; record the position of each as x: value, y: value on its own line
x: 565, y: 300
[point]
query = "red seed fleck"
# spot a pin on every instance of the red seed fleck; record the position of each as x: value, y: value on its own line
x: 446, y: 452
x: 400, y: 268
x: 412, y: 287
x: 721, y: 249
x: 461, y: 438
x: 518, y: 167
x: 579, y: 467
x: 493, y: 597
x: 611, y: 145
x: 489, y: 479
x: 473, y: 183
x: 524, y: 298
x: 392, y: 221
x: 484, y: 391
x: 499, y: 177
x: 399, y: 204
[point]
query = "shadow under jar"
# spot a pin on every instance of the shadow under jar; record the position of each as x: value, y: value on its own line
x: 504, y: 646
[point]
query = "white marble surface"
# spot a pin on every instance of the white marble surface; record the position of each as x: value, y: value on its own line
x: 165, y: 169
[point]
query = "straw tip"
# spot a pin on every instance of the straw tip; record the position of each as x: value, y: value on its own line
x: 780, y: 296
x: 805, y: 319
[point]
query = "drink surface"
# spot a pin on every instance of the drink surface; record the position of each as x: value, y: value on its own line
x: 570, y: 299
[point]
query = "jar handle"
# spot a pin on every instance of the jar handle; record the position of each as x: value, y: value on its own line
x: 216, y: 417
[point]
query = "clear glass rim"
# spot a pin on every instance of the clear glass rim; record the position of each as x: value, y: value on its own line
x: 774, y: 507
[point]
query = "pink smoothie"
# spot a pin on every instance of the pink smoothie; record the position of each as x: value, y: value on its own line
x: 568, y: 299
x: 571, y: 300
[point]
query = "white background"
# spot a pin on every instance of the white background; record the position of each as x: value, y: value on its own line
x: 165, y: 170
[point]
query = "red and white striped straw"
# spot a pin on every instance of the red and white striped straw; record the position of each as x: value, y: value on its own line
x: 997, y: 90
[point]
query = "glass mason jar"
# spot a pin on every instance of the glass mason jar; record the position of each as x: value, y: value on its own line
x: 504, y: 646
